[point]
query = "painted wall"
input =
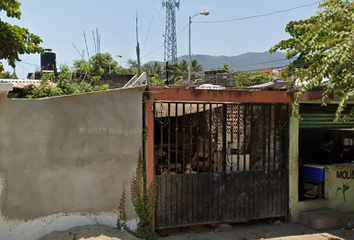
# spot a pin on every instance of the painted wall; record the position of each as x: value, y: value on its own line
x: 340, y: 188
x: 64, y: 160
x: 296, y: 206
x: 333, y: 197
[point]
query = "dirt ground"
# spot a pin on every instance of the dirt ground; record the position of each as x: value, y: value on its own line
x: 94, y: 232
x: 258, y: 230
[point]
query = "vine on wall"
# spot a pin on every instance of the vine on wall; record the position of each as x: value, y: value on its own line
x: 122, y: 215
x: 143, y: 200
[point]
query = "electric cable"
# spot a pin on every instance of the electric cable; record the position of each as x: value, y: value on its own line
x: 260, y: 15
x: 255, y: 64
x: 240, y: 19
x: 184, y: 28
x: 36, y: 65
x: 148, y: 32
x: 294, y: 65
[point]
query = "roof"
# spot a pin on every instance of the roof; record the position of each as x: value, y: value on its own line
x: 210, y: 86
x: 21, y: 83
x: 272, y: 84
x: 216, y: 71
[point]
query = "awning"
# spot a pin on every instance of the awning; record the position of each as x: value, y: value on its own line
x: 323, y: 120
x: 317, y: 116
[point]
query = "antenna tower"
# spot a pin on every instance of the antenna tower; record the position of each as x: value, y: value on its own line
x: 170, y: 32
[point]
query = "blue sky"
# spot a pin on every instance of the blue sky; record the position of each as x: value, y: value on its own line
x: 61, y: 23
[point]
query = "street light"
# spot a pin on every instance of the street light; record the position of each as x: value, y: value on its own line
x: 205, y: 13
x: 110, y: 62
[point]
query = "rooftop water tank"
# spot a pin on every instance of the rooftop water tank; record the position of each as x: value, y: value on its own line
x: 48, y: 60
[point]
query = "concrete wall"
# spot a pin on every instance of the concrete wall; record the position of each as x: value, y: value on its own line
x: 336, y: 180
x: 334, y: 198
x: 222, y: 79
x: 115, y: 81
x: 64, y: 161
x: 296, y: 206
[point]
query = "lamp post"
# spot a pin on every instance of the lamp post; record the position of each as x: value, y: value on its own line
x: 110, y: 62
x: 205, y: 13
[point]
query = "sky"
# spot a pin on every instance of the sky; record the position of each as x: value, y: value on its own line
x: 61, y: 25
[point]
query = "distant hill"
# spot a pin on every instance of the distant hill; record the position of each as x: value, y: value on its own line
x: 244, y: 62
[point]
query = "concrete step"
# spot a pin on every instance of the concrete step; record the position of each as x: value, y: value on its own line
x: 324, y: 219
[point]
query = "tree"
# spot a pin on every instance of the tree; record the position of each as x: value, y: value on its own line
x: 66, y: 84
x: 196, y: 68
x: 82, y: 66
x: 103, y: 63
x: 15, y: 40
x: 155, y: 72
x: 99, y: 64
x: 246, y: 79
x: 133, y: 67
x: 8, y: 75
x: 323, y: 45
x: 179, y: 71
x: 227, y: 67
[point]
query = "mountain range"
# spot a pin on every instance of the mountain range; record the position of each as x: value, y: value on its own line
x: 245, y: 62
x: 249, y: 62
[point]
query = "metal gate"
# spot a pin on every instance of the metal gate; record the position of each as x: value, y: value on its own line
x: 220, y: 162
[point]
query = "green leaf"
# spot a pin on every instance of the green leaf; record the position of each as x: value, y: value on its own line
x: 323, y: 45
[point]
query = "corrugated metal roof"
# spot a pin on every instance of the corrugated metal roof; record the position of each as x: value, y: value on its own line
x: 323, y: 120
x: 271, y: 84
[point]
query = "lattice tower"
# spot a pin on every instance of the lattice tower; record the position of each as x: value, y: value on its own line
x: 170, y: 32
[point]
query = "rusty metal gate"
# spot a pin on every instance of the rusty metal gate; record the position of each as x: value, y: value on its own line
x: 220, y: 162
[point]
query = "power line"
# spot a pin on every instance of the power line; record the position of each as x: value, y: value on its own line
x: 35, y: 65
x: 261, y: 15
x: 153, y: 51
x: 147, y: 35
x: 239, y: 19
x: 256, y: 69
x: 255, y: 64
x: 184, y: 28
x: 19, y: 64
x: 294, y: 65
x: 148, y: 32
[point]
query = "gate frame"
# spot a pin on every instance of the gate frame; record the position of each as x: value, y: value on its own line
x: 231, y: 95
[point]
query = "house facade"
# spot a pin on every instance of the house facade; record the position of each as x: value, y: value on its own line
x: 226, y: 155
x: 321, y: 158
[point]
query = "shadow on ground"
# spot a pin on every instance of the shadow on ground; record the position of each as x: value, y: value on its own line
x: 94, y: 232
x: 269, y: 229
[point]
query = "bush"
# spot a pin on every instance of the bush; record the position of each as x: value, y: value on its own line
x: 65, y: 85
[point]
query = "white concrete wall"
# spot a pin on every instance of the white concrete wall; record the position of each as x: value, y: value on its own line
x: 64, y: 161
x: 36, y: 228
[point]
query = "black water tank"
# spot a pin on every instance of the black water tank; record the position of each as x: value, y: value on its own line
x: 48, y: 60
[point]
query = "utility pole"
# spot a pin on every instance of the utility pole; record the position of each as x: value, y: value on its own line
x: 137, y: 45
x: 170, y: 32
x: 205, y: 13
x: 167, y: 73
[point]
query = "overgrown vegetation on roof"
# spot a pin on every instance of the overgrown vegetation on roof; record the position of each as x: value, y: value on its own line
x: 66, y: 84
